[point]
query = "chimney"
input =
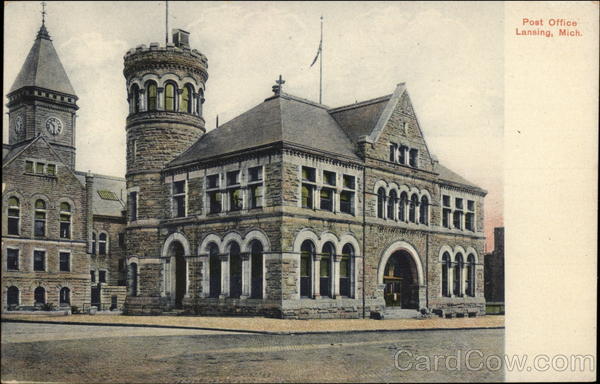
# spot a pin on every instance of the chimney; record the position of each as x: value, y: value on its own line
x: 181, y: 38
x: 89, y: 189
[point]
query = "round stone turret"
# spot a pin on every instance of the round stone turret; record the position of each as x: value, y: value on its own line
x: 165, y: 91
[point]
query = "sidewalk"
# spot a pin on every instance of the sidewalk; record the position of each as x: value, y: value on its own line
x: 265, y: 325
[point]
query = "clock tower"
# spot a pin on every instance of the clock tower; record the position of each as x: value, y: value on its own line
x: 42, y: 101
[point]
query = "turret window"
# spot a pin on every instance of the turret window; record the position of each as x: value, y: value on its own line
x: 186, y: 105
x: 170, y: 97
x: 151, y: 94
x: 135, y: 95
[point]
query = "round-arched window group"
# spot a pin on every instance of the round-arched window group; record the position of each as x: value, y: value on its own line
x: 171, y: 97
x: 403, y: 206
x: 40, y: 218
x: 458, y: 275
x: 40, y: 296
x: 319, y: 274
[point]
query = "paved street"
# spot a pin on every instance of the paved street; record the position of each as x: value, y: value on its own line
x: 70, y: 353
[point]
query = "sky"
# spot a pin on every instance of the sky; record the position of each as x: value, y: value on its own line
x: 451, y: 56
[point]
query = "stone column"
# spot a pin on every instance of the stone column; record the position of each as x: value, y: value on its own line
x: 335, y: 273
x: 178, y: 100
x: 205, y: 284
x: 224, y: 275
x: 246, y: 275
x: 142, y: 100
x: 316, y: 276
x: 163, y: 291
x: 187, y: 276
x: 160, y: 99
x: 317, y: 198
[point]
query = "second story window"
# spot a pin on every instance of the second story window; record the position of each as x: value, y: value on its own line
x: 327, y: 199
x: 446, y: 211
x: 329, y: 178
x: 39, y: 260
x: 102, y: 243
x: 234, y: 191
x: 40, y: 218
x: 212, y: 181
x: 29, y: 166
x: 102, y: 276
x: 133, y: 206
x: 308, y: 187
x: 255, y: 187
x: 12, y: 259
x: 214, y: 198
x: 93, y: 243
x: 51, y: 169
x: 93, y: 276
x: 14, y: 216
x: 470, y: 216
x: 458, y: 214
x: 402, y: 156
x: 179, y: 199
x: 64, y: 261
x: 65, y: 221
x: 347, y: 194
x: 309, y: 174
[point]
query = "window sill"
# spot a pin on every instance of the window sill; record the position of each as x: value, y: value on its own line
x: 40, y: 174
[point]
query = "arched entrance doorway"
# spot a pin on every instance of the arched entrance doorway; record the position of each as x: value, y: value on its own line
x: 176, y: 252
x: 401, y: 281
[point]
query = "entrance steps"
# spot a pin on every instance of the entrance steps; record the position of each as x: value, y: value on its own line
x: 400, y: 313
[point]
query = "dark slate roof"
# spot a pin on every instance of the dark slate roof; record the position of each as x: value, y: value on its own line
x: 283, y: 118
x: 359, y: 119
x: 113, y: 184
x: 453, y: 177
x: 42, y: 67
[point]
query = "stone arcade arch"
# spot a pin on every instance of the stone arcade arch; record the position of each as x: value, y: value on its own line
x: 176, y: 279
x: 400, y: 276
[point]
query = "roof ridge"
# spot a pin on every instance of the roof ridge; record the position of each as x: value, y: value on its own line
x: 118, y: 178
x: 360, y: 104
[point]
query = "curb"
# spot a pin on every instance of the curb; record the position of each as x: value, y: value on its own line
x: 281, y: 333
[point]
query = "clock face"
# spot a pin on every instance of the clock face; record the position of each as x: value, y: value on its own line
x: 19, y: 124
x: 54, y: 126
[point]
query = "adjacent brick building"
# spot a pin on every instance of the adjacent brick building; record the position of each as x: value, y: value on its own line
x: 292, y: 209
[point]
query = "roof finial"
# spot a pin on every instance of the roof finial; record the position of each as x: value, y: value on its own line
x: 277, y: 89
x: 43, y: 13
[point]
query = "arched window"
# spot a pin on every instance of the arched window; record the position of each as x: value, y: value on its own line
x: 135, y: 95
x: 471, y: 275
x: 390, y: 205
x: 214, y: 263
x: 412, y: 210
x: 133, y: 279
x: 346, y: 268
x: 446, y: 265
x: 307, y: 252
x: 235, y: 270
x: 170, y: 92
x: 40, y: 218
x: 256, y: 269
x: 14, y: 215
x: 151, y: 92
x: 65, y: 296
x: 325, y: 269
x: 402, y: 206
x: 93, y: 243
x: 65, y: 221
x: 458, y: 275
x: 39, y: 296
x: 12, y: 296
x: 424, y: 211
x: 380, y: 202
x: 186, y: 95
x: 102, y: 243
x: 200, y: 101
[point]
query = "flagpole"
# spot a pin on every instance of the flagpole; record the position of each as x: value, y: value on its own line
x: 321, y: 66
x: 167, y: 22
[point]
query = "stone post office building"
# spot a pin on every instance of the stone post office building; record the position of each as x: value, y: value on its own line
x: 292, y: 209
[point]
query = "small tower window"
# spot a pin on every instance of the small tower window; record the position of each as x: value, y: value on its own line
x: 151, y: 91
x: 200, y: 101
x: 169, y: 97
x: 135, y: 94
x: 185, y: 105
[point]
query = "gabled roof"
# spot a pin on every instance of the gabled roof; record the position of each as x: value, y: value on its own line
x: 42, y: 67
x: 279, y: 119
x: 359, y: 119
x: 453, y: 177
x: 101, y: 204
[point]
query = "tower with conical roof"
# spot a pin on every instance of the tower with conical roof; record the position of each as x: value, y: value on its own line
x: 42, y: 101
